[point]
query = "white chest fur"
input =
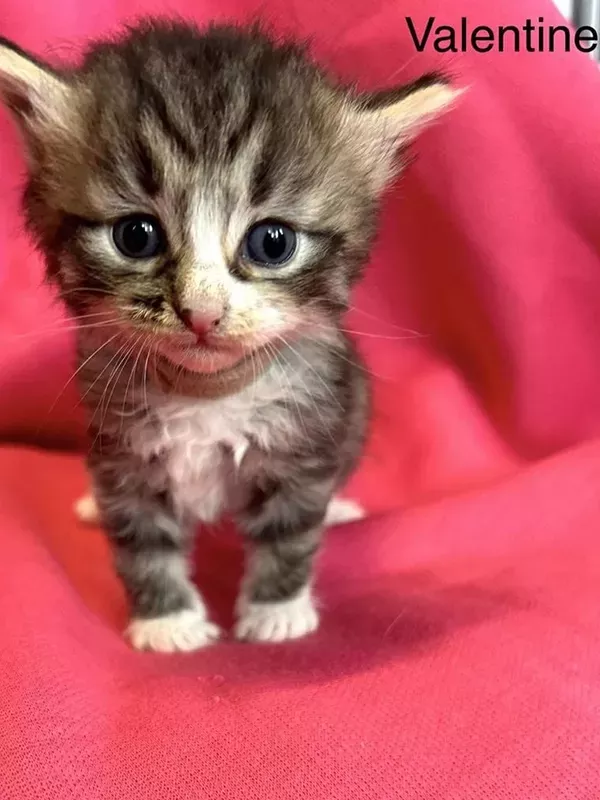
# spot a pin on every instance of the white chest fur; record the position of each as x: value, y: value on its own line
x: 201, y: 443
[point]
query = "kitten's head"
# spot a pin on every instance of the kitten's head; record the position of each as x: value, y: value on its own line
x: 213, y: 190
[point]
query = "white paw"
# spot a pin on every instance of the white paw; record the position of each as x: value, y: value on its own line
x: 86, y: 510
x: 276, y: 622
x: 340, y: 511
x: 181, y: 631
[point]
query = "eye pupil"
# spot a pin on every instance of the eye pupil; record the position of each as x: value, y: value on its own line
x: 274, y: 243
x: 138, y: 237
x: 270, y: 244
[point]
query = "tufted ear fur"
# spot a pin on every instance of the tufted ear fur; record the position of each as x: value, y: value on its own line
x: 405, y: 110
x: 37, y: 96
x: 389, y: 119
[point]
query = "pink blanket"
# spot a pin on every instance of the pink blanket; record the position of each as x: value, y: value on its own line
x: 460, y: 651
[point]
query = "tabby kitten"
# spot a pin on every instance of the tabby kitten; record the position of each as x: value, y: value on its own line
x: 205, y: 200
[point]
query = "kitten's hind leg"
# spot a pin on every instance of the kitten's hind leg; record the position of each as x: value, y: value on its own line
x: 340, y: 511
x: 86, y: 510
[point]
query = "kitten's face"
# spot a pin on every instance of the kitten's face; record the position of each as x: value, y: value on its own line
x: 212, y: 193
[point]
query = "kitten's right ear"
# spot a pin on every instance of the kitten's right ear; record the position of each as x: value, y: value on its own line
x: 383, y: 122
x: 34, y: 93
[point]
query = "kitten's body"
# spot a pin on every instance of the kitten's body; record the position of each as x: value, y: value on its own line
x: 212, y: 451
x: 291, y: 435
x: 205, y: 202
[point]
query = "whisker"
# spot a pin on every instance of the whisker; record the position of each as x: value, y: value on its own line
x: 118, y: 357
x: 87, y: 290
x: 101, y: 373
x: 410, y: 334
x: 106, y: 312
x: 357, y: 364
x: 131, y: 377
x: 368, y: 335
x: 284, y: 374
x: 155, y: 366
x: 81, y: 366
x: 377, y: 319
x: 59, y: 329
x: 386, y: 323
x: 314, y: 371
x: 114, y: 378
x: 308, y: 392
x: 145, y: 376
x: 253, y: 377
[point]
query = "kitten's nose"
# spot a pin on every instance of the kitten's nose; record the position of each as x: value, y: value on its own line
x: 201, y: 322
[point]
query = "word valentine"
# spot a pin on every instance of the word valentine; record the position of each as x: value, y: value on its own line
x: 528, y: 37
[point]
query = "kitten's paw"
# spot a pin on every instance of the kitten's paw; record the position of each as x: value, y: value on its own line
x: 340, y: 511
x: 86, y: 510
x: 276, y: 622
x: 181, y: 631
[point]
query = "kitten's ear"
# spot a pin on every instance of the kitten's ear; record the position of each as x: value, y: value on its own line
x: 35, y: 94
x: 391, y: 118
x: 404, y: 111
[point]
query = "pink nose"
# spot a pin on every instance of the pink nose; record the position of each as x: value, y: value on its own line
x: 201, y: 322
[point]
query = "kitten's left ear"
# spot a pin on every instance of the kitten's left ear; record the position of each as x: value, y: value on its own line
x: 388, y: 119
x: 405, y: 110
x: 36, y: 94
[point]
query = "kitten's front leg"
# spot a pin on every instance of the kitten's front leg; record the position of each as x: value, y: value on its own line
x: 151, y: 553
x: 284, y: 532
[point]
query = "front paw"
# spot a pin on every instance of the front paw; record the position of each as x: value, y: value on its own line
x: 181, y: 631
x: 276, y: 622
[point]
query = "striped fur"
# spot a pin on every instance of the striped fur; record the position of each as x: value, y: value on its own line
x: 210, y: 132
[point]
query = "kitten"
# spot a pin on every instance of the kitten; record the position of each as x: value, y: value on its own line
x: 205, y: 201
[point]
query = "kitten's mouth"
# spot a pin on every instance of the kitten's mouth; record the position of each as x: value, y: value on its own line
x: 204, y: 356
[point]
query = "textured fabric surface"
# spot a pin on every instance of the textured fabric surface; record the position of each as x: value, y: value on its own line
x: 459, y: 655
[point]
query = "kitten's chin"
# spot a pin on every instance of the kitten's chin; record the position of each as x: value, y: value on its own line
x: 203, y: 360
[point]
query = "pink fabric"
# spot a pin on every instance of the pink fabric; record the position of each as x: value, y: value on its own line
x: 459, y: 656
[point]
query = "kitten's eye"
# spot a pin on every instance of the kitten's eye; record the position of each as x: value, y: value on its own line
x: 270, y: 244
x: 138, y: 236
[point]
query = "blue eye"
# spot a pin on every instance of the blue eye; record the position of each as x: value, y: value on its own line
x: 270, y: 244
x: 138, y: 236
